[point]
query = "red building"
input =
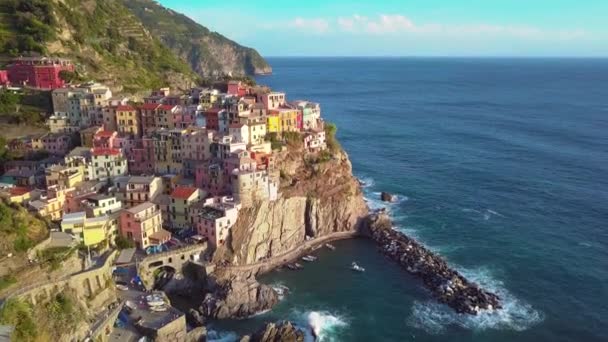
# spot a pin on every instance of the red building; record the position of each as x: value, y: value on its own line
x: 38, y: 72
x: 3, y: 77
x: 211, y: 119
x: 236, y: 88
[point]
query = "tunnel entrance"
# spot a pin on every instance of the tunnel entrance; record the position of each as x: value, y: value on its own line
x: 162, y: 276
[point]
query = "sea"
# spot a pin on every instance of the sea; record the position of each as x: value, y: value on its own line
x: 499, y: 165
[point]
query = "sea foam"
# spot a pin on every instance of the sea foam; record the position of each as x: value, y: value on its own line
x: 517, y: 315
x: 222, y: 336
x: 326, y: 325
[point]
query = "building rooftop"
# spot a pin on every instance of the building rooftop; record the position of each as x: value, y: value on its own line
x: 125, y: 108
x: 74, y: 217
x: 19, y: 190
x: 183, y: 192
x: 105, y: 151
x: 210, y: 213
x: 141, y: 207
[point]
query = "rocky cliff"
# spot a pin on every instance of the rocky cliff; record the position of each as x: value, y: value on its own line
x: 319, y: 197
x: 208, y: 53
x: 283, y: 331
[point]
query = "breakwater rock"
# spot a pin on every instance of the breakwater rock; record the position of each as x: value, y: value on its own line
x: 446, y: 284
x: 276, y: 332
x: 238, y: 297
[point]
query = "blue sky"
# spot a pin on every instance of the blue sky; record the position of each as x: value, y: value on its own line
x: 408, y: 27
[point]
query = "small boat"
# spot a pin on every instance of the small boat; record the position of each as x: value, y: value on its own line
x: 356, y: 267
x: 155, y: 300
x: 158, y: 308
x: 309, y: 258
x: 330, y: 246
x: 295, y: 266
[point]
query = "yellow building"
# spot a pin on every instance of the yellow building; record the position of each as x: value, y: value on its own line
x: 288, y: 120
x: 64, y: 176
x: 91, y: 230
x: 127, y: 120
x: 273, y: 122
x: 19, y: 194
x: 51, y: 205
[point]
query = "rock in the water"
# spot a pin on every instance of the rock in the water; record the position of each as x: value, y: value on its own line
x: 276, y: 332
x: 446, y: 284
x: 195, y: 318
x: 386, y: 197
x: 238, y: 297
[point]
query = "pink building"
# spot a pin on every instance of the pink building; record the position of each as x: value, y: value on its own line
x: 273, y: 100
x: 142, y: 224
x: 236, y: 88
x: 141, y: 157
x: 184, y: 117
x: 210, y: 177
x: 148, y: 113
x: 54, y: 143
x: 3, y: 77
x: 214, y: 217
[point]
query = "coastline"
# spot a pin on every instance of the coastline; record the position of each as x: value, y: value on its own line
x: 278, y: 261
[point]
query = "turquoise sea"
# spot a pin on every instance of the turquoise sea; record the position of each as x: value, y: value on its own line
x: 500, y: 165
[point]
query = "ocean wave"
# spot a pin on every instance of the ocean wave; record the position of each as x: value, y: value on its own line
x: 281, y: 289
x: 366, y: 182
x: 515, y: 314
x: 221, y: 336
x: 486, y: 214
x: 326, y: 325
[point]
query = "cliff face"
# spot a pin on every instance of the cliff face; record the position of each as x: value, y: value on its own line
x: 317, y: 199
x: 208, y: 53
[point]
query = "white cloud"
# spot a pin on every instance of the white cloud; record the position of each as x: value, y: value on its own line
x: 387, y: 24
x: 312, y: 25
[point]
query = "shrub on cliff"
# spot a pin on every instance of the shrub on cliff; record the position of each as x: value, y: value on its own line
x: 330, y: 137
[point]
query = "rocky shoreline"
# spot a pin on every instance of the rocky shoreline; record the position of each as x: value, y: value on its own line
x: 446, y: 284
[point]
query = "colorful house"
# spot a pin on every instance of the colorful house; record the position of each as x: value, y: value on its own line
x: 64, y: 176
x: 182, y: 198
x: 272, y: 100
x: 211, y: 118
x: 91, y: 231
x: 136, y: 190
x: 142, y: 224
x: 148, y: 116
x: 107, y: 163
x: 214, y: 218
x: 38, y: 72
x: 54, y: 143
x: 3, y: 78
x: 128, y: 120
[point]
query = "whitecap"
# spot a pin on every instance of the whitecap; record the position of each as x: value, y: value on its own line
x: 494, y: 212
x: 515, y: 314
x: 366, y: 182
x: 281, y: 289
x: 222, y: 336
x: 324, y: 324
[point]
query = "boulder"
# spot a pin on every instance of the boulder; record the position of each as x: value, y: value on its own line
x: 387, y: 197
x: 283, y: 331
x: 238, y: 296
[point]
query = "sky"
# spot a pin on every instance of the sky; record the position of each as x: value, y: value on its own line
x: 408, y: 27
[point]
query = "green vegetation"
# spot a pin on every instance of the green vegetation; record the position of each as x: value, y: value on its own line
x: 19, y: 314
x: 55, y: 256
x: 293, y: 138
x: 123, y: 243
x: 330, y: 137
x: 60, y: 315
x: 202, y: 48
x: 27, y: 107
x: 19, y: 230
x: 27, y: 26
x: 275, y: 142
x: 6, y: 281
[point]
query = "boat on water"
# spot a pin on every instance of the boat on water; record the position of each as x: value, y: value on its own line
x: 295, y: 266
x: 330, y: 246
x: 309, y: 258
x: 356, y: 267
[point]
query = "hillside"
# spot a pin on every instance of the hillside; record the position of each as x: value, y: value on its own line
x: 110, y: 44
x: 208, y: 53
x: 19, y: 230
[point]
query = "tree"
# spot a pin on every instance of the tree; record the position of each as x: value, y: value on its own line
x: 68, y: 76
x: 123, y: 243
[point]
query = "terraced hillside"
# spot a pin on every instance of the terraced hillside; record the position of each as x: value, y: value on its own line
x: 133, y: 44
x: 208, y: 53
